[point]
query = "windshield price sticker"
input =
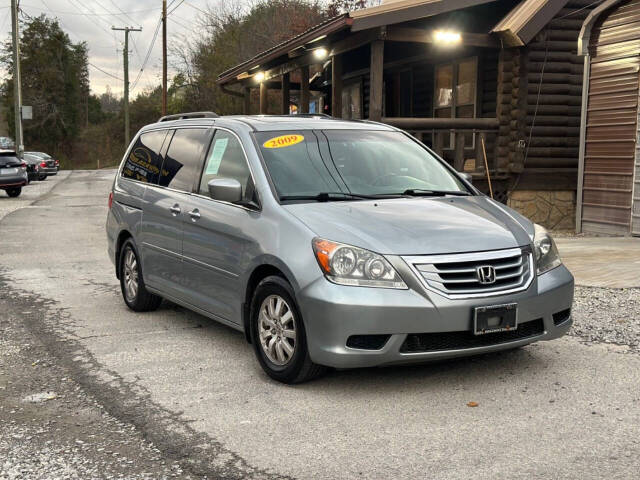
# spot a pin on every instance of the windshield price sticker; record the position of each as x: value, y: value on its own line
x: 283, y: 141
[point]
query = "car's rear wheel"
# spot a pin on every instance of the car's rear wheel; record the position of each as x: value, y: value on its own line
x: 278, y: 333
x: 134, y: 292
x: 42, y: 178
x: 14, y: 192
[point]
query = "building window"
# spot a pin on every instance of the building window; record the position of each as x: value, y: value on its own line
x: 352, y: 101
x: 455, y: 95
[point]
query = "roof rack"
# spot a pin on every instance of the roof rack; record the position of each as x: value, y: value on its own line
x: 309, y: 115
x: 181, y: 116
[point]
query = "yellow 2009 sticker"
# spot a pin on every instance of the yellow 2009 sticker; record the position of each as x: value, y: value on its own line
x: 283, y: 141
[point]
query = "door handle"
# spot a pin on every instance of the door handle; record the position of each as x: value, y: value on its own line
x: 194, y: 214
x: 175, y: 210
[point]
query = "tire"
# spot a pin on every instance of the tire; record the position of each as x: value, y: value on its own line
x: 134, y: 292
x: 14, y: 192
x: 284, y: 366
x: 42, y: 178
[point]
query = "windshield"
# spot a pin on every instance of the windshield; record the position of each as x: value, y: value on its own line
x: 364, y: 162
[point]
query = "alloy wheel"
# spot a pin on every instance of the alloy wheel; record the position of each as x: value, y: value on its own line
x: 130, y: 272
x: 277, y: 330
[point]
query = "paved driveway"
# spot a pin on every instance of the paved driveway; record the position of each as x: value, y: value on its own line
x: 563, y: 409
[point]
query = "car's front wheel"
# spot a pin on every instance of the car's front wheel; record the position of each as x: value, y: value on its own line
x: 42, y: 178
x: 134, y: 292
x: 278, y: 334
x: 14, y: 192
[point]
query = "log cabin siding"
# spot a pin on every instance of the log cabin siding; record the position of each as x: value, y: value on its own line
x: 551, y: 108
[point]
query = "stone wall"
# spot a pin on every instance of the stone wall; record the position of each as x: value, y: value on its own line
x: 553, y: 209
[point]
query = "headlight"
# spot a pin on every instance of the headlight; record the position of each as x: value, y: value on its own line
x: 545, y: 251
x: 347, y: 265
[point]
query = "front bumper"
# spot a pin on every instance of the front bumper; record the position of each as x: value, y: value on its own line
x: 333, y: 313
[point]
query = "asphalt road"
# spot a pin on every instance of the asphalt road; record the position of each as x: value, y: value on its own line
x: 561, y: 409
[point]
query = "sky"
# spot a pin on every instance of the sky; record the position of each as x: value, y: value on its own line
x: 91, y: 21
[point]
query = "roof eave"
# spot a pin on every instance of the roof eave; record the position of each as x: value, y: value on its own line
x: 327, y: 28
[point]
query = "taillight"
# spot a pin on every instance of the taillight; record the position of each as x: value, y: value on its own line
x: 110, y: 199
x: 23, y: 165
x: 43, y: 164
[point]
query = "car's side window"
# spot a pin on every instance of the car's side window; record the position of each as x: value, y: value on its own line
x: 226, y: 159
x: 144, y: 161
x: 184, y: 158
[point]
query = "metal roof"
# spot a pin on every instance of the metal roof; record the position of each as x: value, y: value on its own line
x: 523, y: 22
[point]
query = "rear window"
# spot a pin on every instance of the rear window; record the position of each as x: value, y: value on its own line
x: 184, y: 158
x: 144, y: 161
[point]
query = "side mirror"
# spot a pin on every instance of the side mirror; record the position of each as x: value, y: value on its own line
x: 225, y: 189
x: 466, y: 176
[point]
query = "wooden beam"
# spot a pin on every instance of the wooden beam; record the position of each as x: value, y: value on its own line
x: 419, y: 35
x: 356, y: 40
x: 284, y: 106
x: 264, y: 99
x: 304, y: 90
x: 376, y: 80
x: 424, y: 123
x: 246, y: 101
x: 336, y: 86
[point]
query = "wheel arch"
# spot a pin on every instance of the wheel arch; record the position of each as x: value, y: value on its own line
x: 122, y: 237
x: 259, y: 273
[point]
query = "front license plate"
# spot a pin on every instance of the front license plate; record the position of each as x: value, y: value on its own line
x: 495, y: 318
x: 8, y: 171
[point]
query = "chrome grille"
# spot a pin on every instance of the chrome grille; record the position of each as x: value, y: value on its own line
x: 456, y: 275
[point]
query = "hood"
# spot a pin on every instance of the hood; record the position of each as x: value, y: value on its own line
x: 417, y: 226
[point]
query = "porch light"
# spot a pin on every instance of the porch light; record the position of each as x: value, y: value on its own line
x: 320, y: 53
x: 447, y: 37
x: 259, y: 77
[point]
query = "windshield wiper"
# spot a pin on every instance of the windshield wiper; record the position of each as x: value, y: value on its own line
x: 419, y: 192
x: 327, y: 196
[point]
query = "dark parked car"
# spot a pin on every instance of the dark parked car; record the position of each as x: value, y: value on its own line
x: 48, y: 166
x: 34, y: 167
x: 13, y: 173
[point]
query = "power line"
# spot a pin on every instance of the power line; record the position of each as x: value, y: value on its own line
x: 106, y: 14
x: 123, y: 13
x: 176, y: 7
x: 197, y: 8
x: 103, y: 71
x: 146, y: 58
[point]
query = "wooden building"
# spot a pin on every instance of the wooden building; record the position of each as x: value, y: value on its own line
x: 609, y: 177
x: 500, y: 79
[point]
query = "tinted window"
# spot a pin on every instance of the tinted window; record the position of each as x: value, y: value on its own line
x: 225, y: 160
x: 183, y: 160
x: 144, y: 160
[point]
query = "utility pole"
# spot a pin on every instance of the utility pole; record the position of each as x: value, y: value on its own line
x: 125, y: 54
x: 17, y: 85
x: 164, y: 57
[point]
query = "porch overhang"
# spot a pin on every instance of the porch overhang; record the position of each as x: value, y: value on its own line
x: 525, y: 21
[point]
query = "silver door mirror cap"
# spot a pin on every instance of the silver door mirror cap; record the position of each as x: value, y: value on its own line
x: 225, y: 189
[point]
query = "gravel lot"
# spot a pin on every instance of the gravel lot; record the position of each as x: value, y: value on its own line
x: 607, y: 315
x: 30, y: 193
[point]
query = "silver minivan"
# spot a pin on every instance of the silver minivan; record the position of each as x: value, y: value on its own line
x: 329, y: 243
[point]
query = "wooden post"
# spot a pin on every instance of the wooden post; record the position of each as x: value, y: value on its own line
x: 284, y: 106
x: 458, y: 159
x: 246, y: 101
x: 304, y: 90
x: 264, y: 99
x: 376, y: 82
x: 438, y: 145
x: 336, y: 86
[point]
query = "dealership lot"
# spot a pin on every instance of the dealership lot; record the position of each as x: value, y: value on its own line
x: 564, y: 409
